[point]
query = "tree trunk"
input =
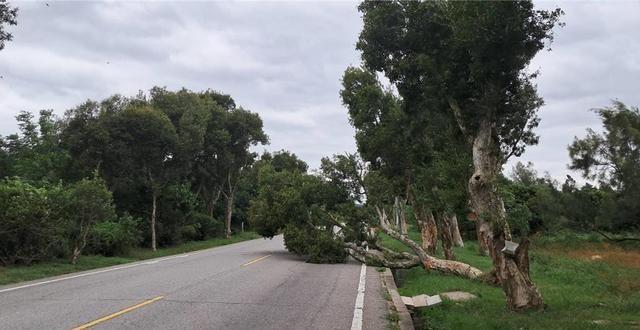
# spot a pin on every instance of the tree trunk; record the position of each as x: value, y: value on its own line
x: 400, y: 215
x: 74, y: 256
x: 486, y: 202
x: 446, y: 237
x: 80, y: 245
x: 483, y: 248
x: 428, y: 228
x: 211, y: 202
x: 229, y: 212
x: 455, y: 231
x: 153, y: 219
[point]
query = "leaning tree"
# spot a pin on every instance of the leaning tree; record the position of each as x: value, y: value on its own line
x: 472, y: 59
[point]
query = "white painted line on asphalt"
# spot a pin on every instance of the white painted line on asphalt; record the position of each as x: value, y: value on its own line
x: 91, y: 273
x: 358, y: 310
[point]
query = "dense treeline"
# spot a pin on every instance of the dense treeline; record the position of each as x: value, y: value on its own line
x: 609, y: 160
x: 156, y: 169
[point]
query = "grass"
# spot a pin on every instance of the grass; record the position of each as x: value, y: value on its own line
x: 577, y: 289
x: 16, y: 274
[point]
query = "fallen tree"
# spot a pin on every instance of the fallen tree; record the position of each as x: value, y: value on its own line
x: 377, y: 255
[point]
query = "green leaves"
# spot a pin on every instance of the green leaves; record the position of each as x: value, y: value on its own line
x: 613, y: 158
x: 7, y: 17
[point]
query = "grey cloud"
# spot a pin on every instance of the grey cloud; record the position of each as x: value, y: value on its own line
x: 284, y: 60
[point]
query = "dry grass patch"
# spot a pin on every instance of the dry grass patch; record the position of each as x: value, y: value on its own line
x: 598, y: 252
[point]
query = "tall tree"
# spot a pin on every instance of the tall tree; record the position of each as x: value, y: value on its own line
x: 245, y: 130
x: 208, y: 168
x: 472, y: 55
x: 613, y: 158
x: 143, y: 144
x: 384, y: 142
x: 35, y: 153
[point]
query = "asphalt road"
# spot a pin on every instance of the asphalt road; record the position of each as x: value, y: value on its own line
x: 250, y: 285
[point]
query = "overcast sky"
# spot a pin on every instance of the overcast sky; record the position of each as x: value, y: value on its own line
x: 284, y: 60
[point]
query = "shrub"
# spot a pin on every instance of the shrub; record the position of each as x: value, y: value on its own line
x: 175, y: 206
x: 31, y: 225
x: 206, y: 226
x: 114, y: 237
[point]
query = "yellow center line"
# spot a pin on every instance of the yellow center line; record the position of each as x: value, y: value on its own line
x: 255, y: 260
x: 116, y: 314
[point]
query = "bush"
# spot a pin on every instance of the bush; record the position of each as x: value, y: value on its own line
x: 206, y: 226
x: 175, y: 207
x: 114, y: 237
x: 31, y: 222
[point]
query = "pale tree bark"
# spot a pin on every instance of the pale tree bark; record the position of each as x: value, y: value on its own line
x: 455, y: 231
x: 428, y: 228
x: 229, y: 209
x: 81, y: 243
x: 481, y: 229
x: 229, y: 213
x: 427, y: 261
x: 153, y: 218
x: 400, y: 216
x: 378, y: 255
x: 446, y: 237
x: 512, y: 272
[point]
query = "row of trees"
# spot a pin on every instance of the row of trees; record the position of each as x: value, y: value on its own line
x: 460, y: 104
x: 432, y: 145
x: 168, y: 158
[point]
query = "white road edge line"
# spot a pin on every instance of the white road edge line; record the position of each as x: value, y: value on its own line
x: 358, y: 310
x: 93, y: 273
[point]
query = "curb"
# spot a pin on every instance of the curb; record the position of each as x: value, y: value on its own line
x: 404, y: 318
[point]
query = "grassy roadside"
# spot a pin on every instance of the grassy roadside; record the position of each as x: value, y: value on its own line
x: 578, y: 289
x: 16, y: 274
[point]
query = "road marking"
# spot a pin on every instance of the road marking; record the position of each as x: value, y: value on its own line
x: 116, y: 314
x: 92, y: 273
x: 358, y: 310
x: 255, y: 260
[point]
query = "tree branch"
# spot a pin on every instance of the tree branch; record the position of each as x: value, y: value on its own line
x: 457, y: 114
x: 617, y: 239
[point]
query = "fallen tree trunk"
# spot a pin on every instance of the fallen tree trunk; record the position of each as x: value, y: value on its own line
x: 377, y: 258
x: 383, y: 257
x: 428, y: 262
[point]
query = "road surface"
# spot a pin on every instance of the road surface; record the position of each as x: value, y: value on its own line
x: 255, y: 284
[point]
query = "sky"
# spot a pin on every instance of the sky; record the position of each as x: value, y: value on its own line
x: 284, y: 60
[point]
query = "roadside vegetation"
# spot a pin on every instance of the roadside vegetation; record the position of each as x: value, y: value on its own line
x: 585, y: 284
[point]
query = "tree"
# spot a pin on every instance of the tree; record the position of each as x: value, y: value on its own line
x: 143, y: 143
x: 35, y: 153
x: 245, y: 130
x: 384, y: 142
x: 473, y: 56
x: 7, y: 17
x: 90, y: 203
x: 613, y: 158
